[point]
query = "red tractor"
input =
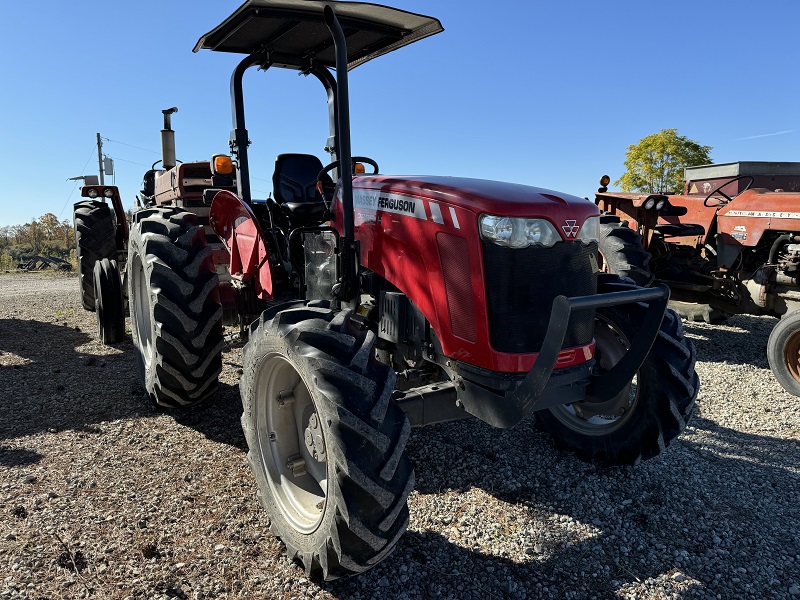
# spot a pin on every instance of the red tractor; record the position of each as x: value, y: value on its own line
x: 730, y: 244
x: 374, y: 303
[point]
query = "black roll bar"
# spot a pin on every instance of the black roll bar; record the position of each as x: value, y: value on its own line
x: 239, y: 137
x: 339, y: 124
x: 349, y: 280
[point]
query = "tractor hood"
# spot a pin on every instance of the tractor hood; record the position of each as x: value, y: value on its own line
x: 481, y: 196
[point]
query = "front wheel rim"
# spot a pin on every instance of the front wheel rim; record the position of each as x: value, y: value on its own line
x: 141, y: 309
x: 791, y: 355
x: 291, y: 443
x: 602, y: 418
x: 98, y: 303
x: 602, y: 263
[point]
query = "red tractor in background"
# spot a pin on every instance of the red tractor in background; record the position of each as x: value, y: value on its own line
x: 730, y: 244
x: 374, y: 303
x: 101, y: 234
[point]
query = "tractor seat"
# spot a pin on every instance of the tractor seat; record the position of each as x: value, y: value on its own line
x: 149, y: 184
x: 680, y: 229
x: 294, y: 186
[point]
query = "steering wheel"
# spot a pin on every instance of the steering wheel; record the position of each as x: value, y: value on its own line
x: 362, y: 159
x: 718, y: 190
x: 153, y: 168
x: 326, y: 186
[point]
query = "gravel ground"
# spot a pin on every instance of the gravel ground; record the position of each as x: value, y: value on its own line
x: 104, y: 496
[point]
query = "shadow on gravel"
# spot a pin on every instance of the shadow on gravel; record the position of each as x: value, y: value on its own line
x: 763, y: 452
x: 219, y: 419
x: 16, y: 457
x: 742, y: 339
x: 721, y: 510
x: 41, y: 371
x: 46, y: 384
x: 436, y: 567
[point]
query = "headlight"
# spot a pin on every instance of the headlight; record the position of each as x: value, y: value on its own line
x: 518, y: 233
x: 660, y: 204
x: 92, y: 193
x: 108, y: 192
x: 651, y: 202
x: 590, y: 231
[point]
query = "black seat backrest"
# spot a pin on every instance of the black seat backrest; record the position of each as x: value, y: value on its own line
x: 149, y: 184
x: 295, y: 178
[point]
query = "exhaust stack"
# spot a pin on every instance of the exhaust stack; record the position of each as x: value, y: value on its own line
x: 168, y: 140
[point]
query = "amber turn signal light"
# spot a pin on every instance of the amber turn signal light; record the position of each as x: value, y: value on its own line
x: 359, y: 169
x: 221, y: 164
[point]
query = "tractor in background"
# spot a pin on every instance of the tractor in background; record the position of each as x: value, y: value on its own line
x: 730, y: 244
x: 374, y: 303
x: 101, y: 234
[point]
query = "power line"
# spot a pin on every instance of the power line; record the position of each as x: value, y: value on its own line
x: 91, y: 154
x: 132, y: 146
x: 130, y: 161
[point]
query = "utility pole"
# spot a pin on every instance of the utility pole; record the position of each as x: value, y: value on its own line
x: 100, y: 158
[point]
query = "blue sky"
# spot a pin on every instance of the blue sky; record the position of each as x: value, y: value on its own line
x: 542, y: 93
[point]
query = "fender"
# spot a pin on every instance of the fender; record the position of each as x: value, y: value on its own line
x: 236, y: 225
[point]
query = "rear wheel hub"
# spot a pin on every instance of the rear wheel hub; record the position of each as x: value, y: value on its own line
x: 315, y: 443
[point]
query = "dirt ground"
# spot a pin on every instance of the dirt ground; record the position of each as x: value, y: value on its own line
x: 104, y: 496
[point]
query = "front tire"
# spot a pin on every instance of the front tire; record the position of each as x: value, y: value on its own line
x: 95, y: 238
x: 783, y: 352
x: 176, y: 314
x: 109, y: 305
x: 647, y: 415
x: 622, y: 252
x: 326, y: 442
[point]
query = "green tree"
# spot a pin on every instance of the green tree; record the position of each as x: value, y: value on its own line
x: 36, y: 235
x: 49, y: 224
x: 656, y: 163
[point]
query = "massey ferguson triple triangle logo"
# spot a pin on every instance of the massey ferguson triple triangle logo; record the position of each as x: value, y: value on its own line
x: 570, y: 229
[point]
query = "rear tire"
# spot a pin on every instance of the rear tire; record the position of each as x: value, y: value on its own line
x: 95, y: 238
x: 110, y: 307
x: 315, y: 396
x: 783, y: 352
x: 646, y: 416
x: 622, y: 252
x: 176, y: 314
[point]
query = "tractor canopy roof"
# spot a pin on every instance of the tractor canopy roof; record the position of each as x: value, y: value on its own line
x: 294, y: 35
x: 734, y: 169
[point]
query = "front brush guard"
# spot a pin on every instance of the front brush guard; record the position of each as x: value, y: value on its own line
x: 508, y: 408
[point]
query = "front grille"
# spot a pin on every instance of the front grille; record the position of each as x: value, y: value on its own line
x: 521, y: 284
x: 454, y: 254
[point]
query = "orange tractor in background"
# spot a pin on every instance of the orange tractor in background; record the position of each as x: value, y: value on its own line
x: 730, y: 244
